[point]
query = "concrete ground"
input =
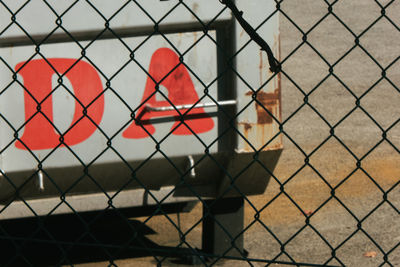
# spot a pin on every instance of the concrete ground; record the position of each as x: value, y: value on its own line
x: 333, y: 225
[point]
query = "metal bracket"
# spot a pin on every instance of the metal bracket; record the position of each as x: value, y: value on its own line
x: 40, y: 181
x: 191, y: 166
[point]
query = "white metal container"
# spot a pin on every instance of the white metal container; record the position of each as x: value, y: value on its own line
x: 72, y: 86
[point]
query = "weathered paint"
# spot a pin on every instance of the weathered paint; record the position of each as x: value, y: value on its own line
x: 267, y: 104
x: 260, y: 105
x: 267, y: 107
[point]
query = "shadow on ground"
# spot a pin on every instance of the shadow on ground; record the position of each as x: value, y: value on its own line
x: 77, y: 238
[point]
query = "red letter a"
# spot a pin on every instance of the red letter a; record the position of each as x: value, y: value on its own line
x: 180, y: 91
x: 39, y: 132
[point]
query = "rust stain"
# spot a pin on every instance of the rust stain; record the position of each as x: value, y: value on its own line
x: 195, y: 36
x: 261, y: 67
x: 247, y: 126
x: 195, y: 9
x: 261, y: 129
x: 266, y: 101
x: 279, y: 95
x: 265, y: 127
x: 269, y: 101
x: 278, y: 80
x: 258, y: 135
x: 180, y: 35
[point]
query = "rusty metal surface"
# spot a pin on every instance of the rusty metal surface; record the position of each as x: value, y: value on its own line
x: 268, y: 110
x: 260, y: 103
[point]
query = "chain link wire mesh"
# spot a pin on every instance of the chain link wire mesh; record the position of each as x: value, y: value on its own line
x: 333, y: 198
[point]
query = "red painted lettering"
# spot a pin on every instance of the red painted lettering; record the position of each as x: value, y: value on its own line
x: 39, y: 132
x: 180, y: 91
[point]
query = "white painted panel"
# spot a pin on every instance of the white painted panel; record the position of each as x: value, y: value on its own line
x: 38, y: 18
x: 126, y: 78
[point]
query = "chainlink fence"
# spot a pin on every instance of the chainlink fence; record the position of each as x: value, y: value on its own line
x: 244, y: 133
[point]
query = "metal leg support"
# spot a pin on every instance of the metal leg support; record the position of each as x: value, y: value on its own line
x: 222, y: 224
